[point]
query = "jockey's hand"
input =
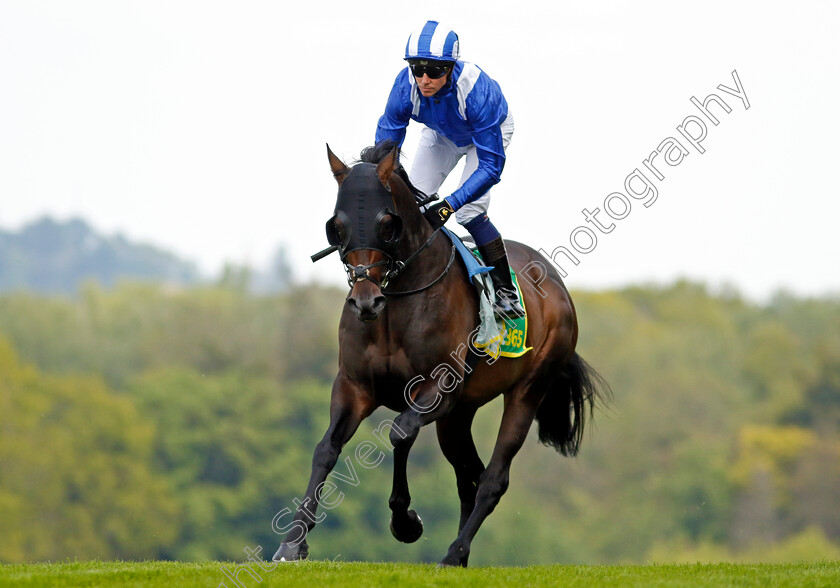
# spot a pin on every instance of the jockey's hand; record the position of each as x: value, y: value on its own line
x: 438, y: 214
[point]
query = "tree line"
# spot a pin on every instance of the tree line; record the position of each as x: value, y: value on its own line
x: 148, y: 421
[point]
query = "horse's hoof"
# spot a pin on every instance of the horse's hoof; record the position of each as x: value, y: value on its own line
x: 408, y: 529
x: 288, y: 552
x: 455, y: 559
x: 446, y: 563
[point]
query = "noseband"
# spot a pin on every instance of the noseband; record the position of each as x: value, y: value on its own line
x: 359, y: 273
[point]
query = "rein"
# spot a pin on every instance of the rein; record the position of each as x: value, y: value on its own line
x: 430, y: 284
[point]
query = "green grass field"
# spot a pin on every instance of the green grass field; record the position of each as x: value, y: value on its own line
x: 356, y: 575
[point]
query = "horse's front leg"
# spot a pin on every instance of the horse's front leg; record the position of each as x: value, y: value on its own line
x: 348, y: 408
x: 427, y: 404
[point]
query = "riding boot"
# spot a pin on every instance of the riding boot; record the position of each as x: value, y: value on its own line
x: 507, y: 301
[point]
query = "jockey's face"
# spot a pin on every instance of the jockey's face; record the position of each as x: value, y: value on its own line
x: 429, y: 87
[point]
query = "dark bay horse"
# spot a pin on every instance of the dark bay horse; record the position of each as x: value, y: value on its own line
x: 410, y: 312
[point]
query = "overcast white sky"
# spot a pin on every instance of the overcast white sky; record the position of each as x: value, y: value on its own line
x: 200, y: 126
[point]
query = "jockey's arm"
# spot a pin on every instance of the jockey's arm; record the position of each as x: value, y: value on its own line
x: 491, y: 162
x: 397, y: 114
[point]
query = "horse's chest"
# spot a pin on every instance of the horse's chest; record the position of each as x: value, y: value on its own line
x: 389, y: 362
x: 386, y: 361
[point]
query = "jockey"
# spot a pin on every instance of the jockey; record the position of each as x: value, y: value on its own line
x: 465, y: 114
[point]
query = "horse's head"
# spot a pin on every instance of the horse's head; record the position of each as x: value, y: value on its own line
x: 367, y: 227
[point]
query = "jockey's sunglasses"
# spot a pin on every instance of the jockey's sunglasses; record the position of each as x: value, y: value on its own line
x: 433, y: 71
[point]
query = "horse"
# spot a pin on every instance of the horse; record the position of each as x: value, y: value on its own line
x: 412, y: 313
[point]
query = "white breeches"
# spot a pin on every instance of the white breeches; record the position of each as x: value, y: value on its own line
x: 437, y: 156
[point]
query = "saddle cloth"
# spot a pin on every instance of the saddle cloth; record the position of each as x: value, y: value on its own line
x: 497, y: 336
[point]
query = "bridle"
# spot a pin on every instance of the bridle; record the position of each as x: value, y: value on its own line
x: 357, y: 273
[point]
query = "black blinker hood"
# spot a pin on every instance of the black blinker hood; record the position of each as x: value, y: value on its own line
x: 361, y: 204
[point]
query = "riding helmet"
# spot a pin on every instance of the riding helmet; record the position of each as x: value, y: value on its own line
x: 433, y: 41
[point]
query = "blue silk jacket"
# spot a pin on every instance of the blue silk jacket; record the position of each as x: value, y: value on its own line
x: 469, y: 109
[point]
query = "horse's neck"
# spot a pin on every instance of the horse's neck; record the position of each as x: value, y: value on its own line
x: 415, y: 235
x: 416, y: 232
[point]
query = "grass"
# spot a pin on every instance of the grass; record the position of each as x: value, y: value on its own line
x: 358, y: 575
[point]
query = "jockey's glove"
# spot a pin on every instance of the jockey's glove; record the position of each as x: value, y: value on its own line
x: 438, y: 214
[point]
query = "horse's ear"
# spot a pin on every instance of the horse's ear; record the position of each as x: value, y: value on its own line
x: 339, y: 170
x: 386, y: 167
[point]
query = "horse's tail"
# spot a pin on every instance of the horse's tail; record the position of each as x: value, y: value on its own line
x: 562, y: 415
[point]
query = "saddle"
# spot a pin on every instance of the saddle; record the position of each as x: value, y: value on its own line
x: 497, y: 336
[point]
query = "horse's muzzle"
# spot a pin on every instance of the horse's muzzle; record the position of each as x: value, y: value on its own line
x: 366, y: 301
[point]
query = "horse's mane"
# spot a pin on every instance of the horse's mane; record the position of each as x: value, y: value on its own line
x: 377, y: 153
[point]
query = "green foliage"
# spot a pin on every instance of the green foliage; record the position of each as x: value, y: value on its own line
x: 723, y: 442
x: 809, y: 545
x: 74, y: 470
x: 136, y: 327
x: 228, y: 444
x: 689, y: 370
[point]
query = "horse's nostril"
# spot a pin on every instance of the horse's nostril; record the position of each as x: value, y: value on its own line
x: 367, y: 309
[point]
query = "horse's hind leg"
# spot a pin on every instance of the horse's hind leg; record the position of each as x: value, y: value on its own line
x: 346, y: 413
x: 519, y: 413
x: 456, y: 442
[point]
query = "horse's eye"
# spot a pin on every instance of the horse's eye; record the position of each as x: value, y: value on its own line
x: 386, y: 228
x: 389, y: 228
x: 336, y: 232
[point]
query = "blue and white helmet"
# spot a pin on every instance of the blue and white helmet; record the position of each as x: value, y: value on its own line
x: 433, y: 41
